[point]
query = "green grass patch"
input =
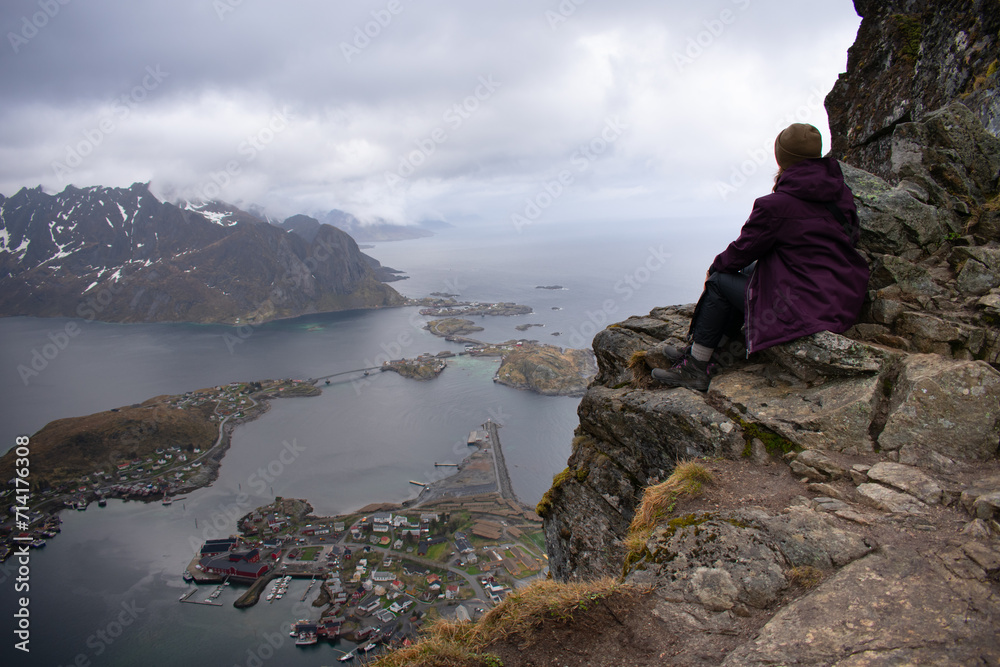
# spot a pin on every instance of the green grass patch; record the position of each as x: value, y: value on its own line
x: 537, y: 538
x: 310, y: 553
x: 439, y: 552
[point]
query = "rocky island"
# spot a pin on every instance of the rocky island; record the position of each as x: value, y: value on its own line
x: 449, y: 307
x: 452, y: 326
x: 546, y: 369
x: 425, y: 367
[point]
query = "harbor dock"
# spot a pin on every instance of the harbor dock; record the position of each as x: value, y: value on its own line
x: 209, y: 601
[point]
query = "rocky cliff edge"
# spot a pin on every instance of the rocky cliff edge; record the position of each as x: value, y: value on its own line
x: 854, y: 517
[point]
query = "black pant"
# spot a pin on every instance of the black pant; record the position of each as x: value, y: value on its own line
x: 720, y: 309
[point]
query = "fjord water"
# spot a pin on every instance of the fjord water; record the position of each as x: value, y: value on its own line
x: 105, y: 591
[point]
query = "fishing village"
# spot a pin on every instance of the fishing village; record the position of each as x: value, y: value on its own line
x: 373, y: 578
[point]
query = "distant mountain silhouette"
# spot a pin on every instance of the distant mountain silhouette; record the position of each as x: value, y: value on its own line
x: 377, y: 230
x: 122, y: 255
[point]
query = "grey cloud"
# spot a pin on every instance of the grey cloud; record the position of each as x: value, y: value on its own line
x: 369, y: 83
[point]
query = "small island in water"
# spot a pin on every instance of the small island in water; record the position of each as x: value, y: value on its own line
x: 546, y: 369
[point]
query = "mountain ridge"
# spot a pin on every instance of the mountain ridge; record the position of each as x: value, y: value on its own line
x: 122, y: 255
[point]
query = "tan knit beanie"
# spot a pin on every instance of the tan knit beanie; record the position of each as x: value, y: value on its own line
x: 797, y: 142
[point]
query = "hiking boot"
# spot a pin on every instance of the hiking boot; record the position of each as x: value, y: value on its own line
x: 665, y: 357
x: 688, y: 372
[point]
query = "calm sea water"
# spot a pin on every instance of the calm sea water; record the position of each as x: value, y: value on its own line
x: 105, y: 591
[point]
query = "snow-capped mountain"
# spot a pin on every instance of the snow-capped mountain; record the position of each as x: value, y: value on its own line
x: 121, y: 254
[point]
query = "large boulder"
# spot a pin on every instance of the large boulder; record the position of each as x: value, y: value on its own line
x: 725, y: 561
x: 896, y: 219
x: 943, y: 406
x: 893, y: 607
x: 829, y: 355
x: 950, y: 155
x: 978, y: 269
x: 833, y: 415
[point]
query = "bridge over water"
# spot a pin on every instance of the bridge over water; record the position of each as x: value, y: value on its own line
x: 356, y: 370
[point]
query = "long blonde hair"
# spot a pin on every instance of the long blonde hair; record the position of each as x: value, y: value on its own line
x: 777, y: 176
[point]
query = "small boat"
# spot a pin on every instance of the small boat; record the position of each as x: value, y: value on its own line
x: 187, y: 576
x: 306, y: 639
x: 346, y: 657
x: 37, y: 544
x: 368, y: 647
x: 81, y: 505
x: 167, y: 500
x: 102, y: 502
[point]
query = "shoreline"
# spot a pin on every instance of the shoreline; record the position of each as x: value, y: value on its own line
x: 209, y: 463
x: 480, y: 474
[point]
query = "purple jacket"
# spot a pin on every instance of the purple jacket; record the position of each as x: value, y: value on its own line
x: 809, y: 277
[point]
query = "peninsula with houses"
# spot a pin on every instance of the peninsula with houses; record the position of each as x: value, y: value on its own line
x: 375, y: 576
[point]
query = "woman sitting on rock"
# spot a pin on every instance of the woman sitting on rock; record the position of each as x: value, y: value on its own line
x: 808, y: 275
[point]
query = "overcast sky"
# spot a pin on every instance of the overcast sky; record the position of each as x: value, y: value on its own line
x: 418, y: 109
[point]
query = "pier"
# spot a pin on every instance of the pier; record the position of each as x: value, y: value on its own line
x: 499, y: 465
x: 311, y: 584
x: 209, y: 602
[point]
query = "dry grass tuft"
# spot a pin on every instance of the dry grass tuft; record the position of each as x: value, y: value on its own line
x: 641, y: 378
x: 805, y: 576
x: 527, y: 608
x: 445, y: 644
x: 452, y: 644
x: 659, y: 500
